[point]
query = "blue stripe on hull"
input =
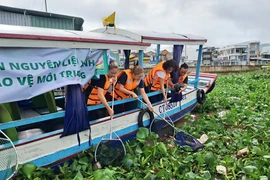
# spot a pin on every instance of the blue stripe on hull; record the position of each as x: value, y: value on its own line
x: 4, y: 174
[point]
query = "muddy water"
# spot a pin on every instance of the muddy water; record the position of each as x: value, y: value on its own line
x: 197, y: 116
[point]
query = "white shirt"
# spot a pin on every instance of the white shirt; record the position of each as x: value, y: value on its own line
x: 159, y: 74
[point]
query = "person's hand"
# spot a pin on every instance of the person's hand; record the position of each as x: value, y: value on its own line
x: 114, y: 80
x: 150, y: 107
x: 111, y: 112
x: 179, y: 91
x: 134, y: 95
x: 173, y: 87
x: 165, y: 100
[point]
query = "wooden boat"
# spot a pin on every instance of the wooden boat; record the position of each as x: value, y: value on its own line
x: 40, y: 128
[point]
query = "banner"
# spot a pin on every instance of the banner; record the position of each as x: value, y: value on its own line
x: 28, y: 72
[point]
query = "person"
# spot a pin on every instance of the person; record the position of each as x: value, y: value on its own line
x: 100, y: 89
x: 128, y: 81
x: 158, y: 78
x: 181, y: 84
x: 183, y: 76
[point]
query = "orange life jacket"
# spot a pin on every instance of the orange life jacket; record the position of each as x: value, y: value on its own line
x: 93, y: 96
x: 155, y: 83
x: 86, y: 86
x: 130, y: 85
x: 182, y: 78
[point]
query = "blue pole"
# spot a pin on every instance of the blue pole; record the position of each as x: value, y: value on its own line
x: 141, y: 58
x: 177, y: 52
x: 141, y: 64
x: 199, y: 61
x: 158, y: 52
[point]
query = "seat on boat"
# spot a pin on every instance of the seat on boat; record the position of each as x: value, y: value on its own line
x: 13, y: 110
x: 44, y: 103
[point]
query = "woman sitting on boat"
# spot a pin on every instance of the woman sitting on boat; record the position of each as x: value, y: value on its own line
x: 99, y: 90
x: 158, y: 77
x: 128, y: 81
x: 183, y: 76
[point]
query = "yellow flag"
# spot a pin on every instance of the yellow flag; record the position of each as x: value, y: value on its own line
x: 109, y: 21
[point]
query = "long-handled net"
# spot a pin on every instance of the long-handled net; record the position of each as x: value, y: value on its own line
x: 158, y: 123
x: 8, y: 157
x: 182, y: 138
x: 110, y: 151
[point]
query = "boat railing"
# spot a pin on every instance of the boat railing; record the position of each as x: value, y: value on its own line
x: 61, y: 114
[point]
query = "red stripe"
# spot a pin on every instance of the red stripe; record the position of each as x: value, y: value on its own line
x: 207, y: 75
x: 173, y: 39
x: 54, y: 38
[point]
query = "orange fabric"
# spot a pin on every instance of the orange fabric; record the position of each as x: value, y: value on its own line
x: 149, y: 78
x: 86, y: 86
x: 130, y: 85
x: 181, y: 79
x: 93, y: 97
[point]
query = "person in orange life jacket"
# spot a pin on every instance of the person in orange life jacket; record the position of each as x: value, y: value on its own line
x: 158, y: 78
x: 100, y: 88
x: 183, y: 76
x: 128, y: 80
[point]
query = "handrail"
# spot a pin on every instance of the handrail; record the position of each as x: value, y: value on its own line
x: 193, y: 81
x: 52, y: 116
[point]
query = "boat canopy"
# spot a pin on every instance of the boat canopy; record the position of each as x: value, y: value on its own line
x: 22, y: 36
x: 155, y: 37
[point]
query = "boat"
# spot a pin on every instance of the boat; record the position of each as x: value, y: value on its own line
x: 40, y: 127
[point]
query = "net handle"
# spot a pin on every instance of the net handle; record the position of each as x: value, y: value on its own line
x: 14, y: 150
x: 113, y: 84
x: 166, y: 95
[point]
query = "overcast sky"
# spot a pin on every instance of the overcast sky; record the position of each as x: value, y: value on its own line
x: 222, y: 22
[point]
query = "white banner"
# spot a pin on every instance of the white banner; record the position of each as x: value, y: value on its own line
x: 28, y: 72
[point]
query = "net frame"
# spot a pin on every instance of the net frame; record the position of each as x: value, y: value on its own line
x: 111, y: 132
x: 9, y: 157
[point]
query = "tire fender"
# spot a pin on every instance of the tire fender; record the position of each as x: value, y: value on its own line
x: 201, y: 96
x: 140, y: 117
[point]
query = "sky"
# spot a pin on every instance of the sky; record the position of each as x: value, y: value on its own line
x: 221, y: 22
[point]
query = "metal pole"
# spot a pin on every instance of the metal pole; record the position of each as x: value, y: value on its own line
x: 157, y: 54
x: 141, y: 58
x: 197, y: 76
x: 46, y: 5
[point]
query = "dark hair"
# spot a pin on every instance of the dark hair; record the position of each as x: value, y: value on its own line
x: 170, y: 64
x: 113, y: 65
x: 185, y: 66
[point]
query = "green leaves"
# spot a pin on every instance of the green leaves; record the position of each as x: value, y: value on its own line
x: 142, y: 134
x: 28, y: 169
x: 162, y: 148
x: 237, y: 148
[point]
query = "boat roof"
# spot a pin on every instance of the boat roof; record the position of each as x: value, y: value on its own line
x: 23, y: 36
x: 78, y: 21
x: 154, y: 37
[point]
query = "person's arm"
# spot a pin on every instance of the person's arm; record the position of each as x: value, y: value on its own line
x: 170, y: 83
x: 146, y: 99
x: 163, y: 89
x: 122, y: 83
x: 104, y: 101
x: 100, y: 83
x: 161, y: 75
